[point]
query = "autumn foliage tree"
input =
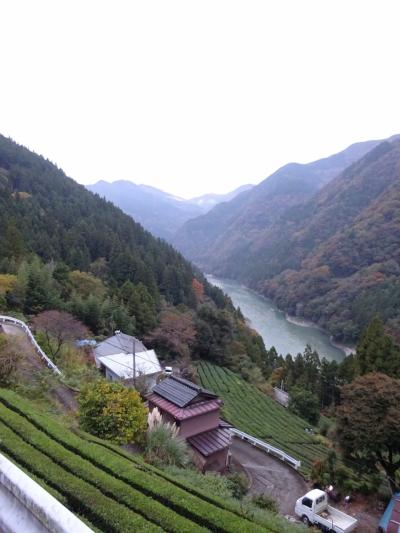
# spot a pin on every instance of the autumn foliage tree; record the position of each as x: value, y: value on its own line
x: 368, y: 423
x: 112, y: 411
x: 198, y: 290
x: 176, y: 333
x: 58, y: 328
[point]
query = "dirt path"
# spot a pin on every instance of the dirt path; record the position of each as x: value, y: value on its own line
x: 269, y: 475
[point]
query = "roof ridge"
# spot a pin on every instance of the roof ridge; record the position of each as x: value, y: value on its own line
x: 186, y: 382
x: 192, y: 385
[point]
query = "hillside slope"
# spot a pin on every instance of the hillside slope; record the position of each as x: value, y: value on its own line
x: 257, y: 414
x: 331, y: 256
x: 113, y: 491
x: 341, y: 265
x: 66, y: 248
x: 221, y: 240
x: 45, y: 212
x: 159, y: 212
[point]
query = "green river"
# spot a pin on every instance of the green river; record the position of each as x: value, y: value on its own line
x: 287, y: 335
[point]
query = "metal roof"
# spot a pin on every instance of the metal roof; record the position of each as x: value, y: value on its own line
x: 181, y: 392
x: 121, y: 364
x: 390, y: 521
x: 211, y: 441
x: 119, y: 343
x: 183, y: 413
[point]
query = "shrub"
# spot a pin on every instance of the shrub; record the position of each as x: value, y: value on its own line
x: 112, y: 411
x: 265, y: 501
x: 324, y: 426
x: 10, y: 357
x: 239, y: 484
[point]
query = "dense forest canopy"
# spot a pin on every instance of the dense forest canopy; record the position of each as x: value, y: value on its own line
x: 63, y: 247
x: 324, y: 249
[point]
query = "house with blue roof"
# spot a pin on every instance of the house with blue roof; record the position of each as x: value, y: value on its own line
x: 390, y: 521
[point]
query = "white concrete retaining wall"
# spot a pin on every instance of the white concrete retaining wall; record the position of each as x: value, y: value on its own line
x: 26, y: 507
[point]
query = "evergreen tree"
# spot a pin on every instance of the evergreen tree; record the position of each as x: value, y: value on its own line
x: 40, y: 292
x: 376, y: 351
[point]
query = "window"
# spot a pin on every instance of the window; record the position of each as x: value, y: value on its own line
x: 307, y: 502
x: 320, y: 499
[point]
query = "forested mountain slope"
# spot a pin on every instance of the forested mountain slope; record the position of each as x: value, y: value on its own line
x: 341, y: 265
x: 221, y: 240
x: 62, y: 247
x: 45, y: 212
x: 159, y: 212
x: 329, y: 255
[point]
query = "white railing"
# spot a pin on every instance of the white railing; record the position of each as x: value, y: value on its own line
x: 19, y: 324
x: 283, y: 456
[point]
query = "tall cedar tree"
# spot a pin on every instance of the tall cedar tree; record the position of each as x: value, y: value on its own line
x: 376, y: 352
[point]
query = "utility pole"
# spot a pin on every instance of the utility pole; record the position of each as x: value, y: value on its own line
x: 134, y: 362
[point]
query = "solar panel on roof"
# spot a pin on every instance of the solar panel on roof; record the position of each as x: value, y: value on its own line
x: 193, y: 385
x: 175, y: 392
x: 180, y: 391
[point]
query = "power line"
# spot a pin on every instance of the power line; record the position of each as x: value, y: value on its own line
x: 127, y: 353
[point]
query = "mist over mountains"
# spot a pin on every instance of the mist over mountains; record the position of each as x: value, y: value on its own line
x: 159, y: 212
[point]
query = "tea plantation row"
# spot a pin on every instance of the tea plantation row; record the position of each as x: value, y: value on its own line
x: 259, y: 415
x: 111, y: 490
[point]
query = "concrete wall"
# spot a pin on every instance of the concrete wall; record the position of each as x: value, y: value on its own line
x: 26, y: 507
x: 199, y: 424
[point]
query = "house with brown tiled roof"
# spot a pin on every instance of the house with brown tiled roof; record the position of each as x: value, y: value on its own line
x: 196, y: 412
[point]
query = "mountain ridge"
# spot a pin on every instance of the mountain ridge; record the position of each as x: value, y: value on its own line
x: 299, y: 249
x: 158, y: 211
x: 232, y: 227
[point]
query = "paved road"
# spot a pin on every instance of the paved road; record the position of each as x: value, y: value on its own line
x: 269, y: 475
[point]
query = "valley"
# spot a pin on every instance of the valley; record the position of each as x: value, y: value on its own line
x: 287, y: 336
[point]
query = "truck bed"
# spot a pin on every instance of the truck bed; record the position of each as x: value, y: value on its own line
x: 341, y: 520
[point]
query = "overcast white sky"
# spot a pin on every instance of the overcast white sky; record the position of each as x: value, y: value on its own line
x: 196, y: 96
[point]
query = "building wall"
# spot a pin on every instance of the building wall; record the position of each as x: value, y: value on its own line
x: 217, y: 462
x: 166, y: 416
x: 111, y: 375
x: 199, y: 424
x: 149, y: 381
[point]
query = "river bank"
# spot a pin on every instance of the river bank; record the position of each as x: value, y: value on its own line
x: 302, y: 322
x: 289, y: 335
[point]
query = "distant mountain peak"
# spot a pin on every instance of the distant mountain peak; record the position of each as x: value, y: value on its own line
x: 158, y: 211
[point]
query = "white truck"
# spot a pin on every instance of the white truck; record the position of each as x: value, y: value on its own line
x: 313, y: 509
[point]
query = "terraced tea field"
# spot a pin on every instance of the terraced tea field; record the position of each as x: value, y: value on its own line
x: 255, y: 413
x: 112, y: 491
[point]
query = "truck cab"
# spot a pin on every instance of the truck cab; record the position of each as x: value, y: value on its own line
x: 313, y: 509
